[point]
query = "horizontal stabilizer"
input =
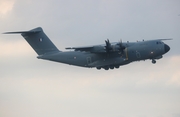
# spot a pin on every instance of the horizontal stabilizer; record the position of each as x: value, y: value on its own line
x: 36, y: 30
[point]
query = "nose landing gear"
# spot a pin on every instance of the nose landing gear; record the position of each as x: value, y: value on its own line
x: 153, y: 61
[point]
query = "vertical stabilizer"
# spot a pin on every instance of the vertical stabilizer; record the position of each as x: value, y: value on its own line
x: 38, y: 41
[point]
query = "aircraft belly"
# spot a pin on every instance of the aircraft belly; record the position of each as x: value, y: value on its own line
x: 78, y: 59
x: 110, y: 61
x: 71, y: 58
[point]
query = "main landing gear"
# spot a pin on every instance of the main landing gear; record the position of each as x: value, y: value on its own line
x: 108, y: 67
x: 153, y: 61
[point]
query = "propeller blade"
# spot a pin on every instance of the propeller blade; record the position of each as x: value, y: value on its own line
x: 121, y: 47
x: 108, y: 45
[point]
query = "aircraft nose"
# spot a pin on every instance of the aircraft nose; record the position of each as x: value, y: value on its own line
x: 166, y: 47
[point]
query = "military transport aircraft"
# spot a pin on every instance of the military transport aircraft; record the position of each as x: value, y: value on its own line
x: 106, y: 56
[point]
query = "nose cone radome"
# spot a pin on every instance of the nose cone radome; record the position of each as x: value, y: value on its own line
x: 166, y: 47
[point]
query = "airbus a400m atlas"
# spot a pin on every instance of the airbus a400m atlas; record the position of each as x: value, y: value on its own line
x: 106, y: 56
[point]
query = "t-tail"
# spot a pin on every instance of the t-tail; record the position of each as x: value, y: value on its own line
x: 38, y: 41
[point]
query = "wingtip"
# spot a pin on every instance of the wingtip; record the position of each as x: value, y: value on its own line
x: 169, y: 39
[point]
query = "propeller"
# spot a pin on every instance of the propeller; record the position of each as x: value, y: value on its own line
x: 108, y: 46
x: 121, y: 47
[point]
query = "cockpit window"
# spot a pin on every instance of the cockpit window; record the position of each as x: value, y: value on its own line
x: 158, y: 42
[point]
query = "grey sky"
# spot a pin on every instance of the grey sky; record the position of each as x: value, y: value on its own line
x: 35, y: 88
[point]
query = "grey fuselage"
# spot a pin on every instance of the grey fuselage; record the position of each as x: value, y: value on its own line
x: 153, y: 49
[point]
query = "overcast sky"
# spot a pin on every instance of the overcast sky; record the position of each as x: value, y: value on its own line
x: 36, y: 88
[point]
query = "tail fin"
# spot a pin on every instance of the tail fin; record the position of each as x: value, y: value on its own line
x: 38, y: 40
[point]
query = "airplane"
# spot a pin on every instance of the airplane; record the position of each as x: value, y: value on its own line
x: 106, y: 56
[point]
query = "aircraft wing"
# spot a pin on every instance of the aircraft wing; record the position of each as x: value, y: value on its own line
x: 165, y: 39
x: 92, y: 49
x: 81, y: 48
x: 104, y: 48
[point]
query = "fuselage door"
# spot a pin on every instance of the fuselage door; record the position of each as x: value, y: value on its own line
x: 88, y: 60
x: 138, y: 55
